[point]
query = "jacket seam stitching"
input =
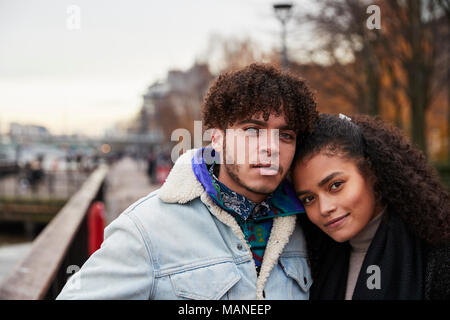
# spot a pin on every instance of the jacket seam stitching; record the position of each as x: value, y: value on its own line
x: 149, y: 196
x: 178, y: 270
x: 147, y: 244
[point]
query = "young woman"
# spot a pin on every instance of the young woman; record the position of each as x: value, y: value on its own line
x: 379, y: 219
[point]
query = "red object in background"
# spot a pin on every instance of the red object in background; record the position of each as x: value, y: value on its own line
x: 162, y: 172
x: 96, y: 224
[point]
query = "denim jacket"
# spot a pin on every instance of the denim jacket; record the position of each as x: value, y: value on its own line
x: 176, y: 243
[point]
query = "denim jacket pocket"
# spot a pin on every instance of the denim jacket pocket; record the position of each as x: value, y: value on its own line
x: 206, y: 283
x: 297, y: 268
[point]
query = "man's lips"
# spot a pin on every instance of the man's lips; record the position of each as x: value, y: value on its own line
x: 266, y: 169
x: 329, y: 223
x: 261, y: 165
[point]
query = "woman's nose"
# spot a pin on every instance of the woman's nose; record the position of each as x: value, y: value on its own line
x: 326, y: 206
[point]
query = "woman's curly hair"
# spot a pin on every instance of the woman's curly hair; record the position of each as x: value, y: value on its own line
x: 259, y: 89
x: 404, y: 181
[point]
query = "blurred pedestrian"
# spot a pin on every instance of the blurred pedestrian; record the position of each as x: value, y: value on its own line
x: 151, y: 167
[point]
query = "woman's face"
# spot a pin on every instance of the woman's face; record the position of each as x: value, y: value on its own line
x: 337, y: 198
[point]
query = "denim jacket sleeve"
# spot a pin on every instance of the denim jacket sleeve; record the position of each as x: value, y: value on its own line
x: 120, y: 269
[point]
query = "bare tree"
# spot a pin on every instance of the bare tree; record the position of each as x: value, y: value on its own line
x: 415, y: 27
x: 231, y: 53
x: 402, y: 59
x: 341, y: 33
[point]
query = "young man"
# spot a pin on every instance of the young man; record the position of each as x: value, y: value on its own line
x: 223, y: 224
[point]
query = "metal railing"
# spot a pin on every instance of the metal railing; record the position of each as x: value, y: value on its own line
x: 62, y: 245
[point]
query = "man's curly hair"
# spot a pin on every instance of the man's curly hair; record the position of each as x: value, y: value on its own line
x: 259, y: 89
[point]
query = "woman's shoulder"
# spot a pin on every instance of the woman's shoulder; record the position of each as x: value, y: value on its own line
x: 438, y: 253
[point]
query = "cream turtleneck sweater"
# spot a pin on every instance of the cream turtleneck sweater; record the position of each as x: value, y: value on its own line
x: 359, y: 246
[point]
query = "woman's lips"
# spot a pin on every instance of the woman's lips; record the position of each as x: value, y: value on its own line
x: 337, y: 221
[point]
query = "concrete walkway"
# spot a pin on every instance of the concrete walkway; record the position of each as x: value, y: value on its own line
x: 127, y: 182
x: 10, y: 256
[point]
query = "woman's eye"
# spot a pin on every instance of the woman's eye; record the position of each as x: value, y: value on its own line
x: 307, y: 200
x: 336, y: 185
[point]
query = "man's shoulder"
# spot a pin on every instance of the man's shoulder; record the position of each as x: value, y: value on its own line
x: 152, y: 204
x: 151, y: 211
x: 143, y: 203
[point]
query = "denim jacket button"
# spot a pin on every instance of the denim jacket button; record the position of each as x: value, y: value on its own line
x: 239, y: 246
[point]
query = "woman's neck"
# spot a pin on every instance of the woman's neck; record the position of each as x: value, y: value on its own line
x: 362, y: 240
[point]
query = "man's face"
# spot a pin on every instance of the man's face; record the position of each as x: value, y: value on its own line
x: 256, y: 155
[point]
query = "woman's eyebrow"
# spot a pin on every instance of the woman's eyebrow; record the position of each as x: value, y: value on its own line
x: 328, y: 178
x: 300, y: 193
x: 321, y: 183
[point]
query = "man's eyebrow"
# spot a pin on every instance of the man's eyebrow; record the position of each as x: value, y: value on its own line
x: 321, y: 183
x: 258, y: 122
x: 264, y: 124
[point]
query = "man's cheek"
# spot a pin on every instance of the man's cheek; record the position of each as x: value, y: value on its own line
x: 240, y: 148
x: 288, y: 157
x: 252, y: 150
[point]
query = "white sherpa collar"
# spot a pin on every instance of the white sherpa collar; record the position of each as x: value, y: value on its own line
x: 182, y: 186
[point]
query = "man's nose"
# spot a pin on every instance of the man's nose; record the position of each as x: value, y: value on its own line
x: 269, y: 142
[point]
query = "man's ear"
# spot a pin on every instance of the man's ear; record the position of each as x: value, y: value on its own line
x: 217, y: 137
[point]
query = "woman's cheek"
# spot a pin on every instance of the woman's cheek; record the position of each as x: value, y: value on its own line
x: 313, y: 216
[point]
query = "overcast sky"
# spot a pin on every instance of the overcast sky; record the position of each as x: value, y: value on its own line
x: 86, y: 79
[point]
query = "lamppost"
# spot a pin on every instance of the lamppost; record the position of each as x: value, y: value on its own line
x: 283, y: 13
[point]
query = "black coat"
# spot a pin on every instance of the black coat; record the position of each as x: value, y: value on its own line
x: 410, y: 268
x: 437, y: 272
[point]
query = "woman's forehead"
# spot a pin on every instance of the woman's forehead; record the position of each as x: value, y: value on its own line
x: 322, y: 164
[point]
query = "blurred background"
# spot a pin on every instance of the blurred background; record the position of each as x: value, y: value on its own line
x: 91, y: 92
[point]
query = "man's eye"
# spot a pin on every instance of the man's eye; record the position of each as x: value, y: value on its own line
x: 287, y: 136
x: 251, y: 131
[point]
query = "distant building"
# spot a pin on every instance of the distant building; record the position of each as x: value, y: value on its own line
x: 175, y: 102
x: 29, y: 132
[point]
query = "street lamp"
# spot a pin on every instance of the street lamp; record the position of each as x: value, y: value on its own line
x: 283, y: 13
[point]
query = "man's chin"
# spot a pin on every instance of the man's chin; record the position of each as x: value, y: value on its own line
x: 262, y: 189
